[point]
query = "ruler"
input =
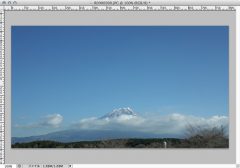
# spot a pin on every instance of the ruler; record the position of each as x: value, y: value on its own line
x: 119, y: 8
x: 2, y: 88
x: 75, y: 8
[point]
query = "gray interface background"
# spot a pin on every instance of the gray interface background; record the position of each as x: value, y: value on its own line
x: 127, y: 156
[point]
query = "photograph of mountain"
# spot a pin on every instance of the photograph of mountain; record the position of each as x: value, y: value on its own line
x: 120, y: 87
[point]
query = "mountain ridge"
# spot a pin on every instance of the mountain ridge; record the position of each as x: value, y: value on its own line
x: 89, y: 135
x: 78, y: 134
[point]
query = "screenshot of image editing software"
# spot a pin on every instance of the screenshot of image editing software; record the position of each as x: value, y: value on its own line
x: 119, y: 82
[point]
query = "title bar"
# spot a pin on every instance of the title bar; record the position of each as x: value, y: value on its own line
x: 121, y: 2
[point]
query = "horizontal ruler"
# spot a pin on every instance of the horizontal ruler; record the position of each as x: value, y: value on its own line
x: 121, y: 8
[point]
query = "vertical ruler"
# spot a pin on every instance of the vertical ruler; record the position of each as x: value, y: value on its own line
x: 2, y: 97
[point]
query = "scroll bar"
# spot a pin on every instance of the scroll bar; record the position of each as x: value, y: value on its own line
x: 238, y: 86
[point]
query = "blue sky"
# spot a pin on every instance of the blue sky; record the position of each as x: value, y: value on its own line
x: 87, y: 71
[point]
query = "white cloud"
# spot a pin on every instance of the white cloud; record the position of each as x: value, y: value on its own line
x: 52, y: 121
x: 169, y: 124
x: 174, y: 123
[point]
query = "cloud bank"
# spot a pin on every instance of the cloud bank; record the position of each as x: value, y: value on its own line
x: 170, y: 124
x: 124, y: 119
x: 49, y: 121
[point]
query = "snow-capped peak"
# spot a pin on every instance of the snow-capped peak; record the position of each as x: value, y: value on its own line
x: 125, y: 112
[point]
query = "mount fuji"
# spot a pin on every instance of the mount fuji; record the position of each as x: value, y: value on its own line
x: 74, y: 135
x: 125, y: 113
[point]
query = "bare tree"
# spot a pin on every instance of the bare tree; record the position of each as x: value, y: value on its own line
x: 209, y: 137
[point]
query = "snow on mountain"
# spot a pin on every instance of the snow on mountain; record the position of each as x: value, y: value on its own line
x: 120, y: 113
